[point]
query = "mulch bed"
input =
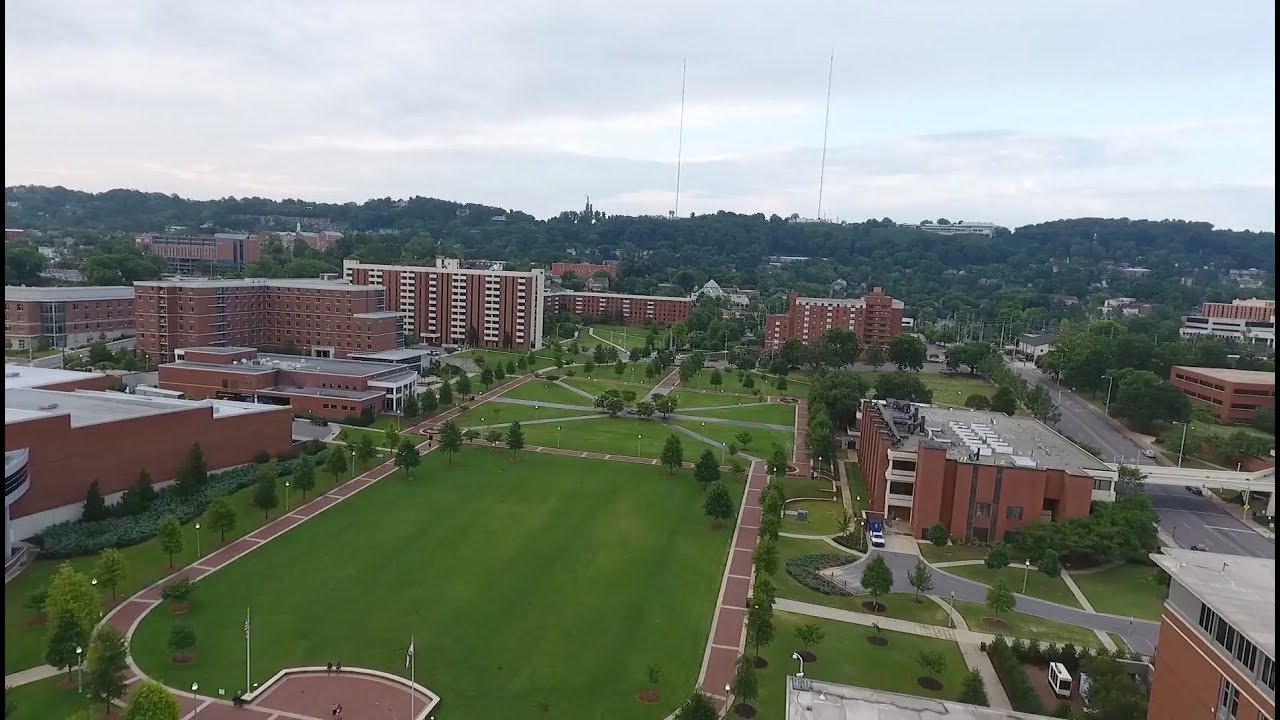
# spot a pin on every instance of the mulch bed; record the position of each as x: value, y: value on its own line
x: 744, y: 710
x: 874, y: 607
x: 66, y: 684
x: 877, y: 640
x: 36, y: 622
x: 182, y: 658
x: 991, y: 622
x: 760, y: 663
x: 929, y: 683
x: 649, y: 696
x: 809, y: 656
x: 179, y: 608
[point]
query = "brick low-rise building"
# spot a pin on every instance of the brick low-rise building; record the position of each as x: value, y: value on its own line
x: 324, y: 318
x: 1235, y: 395
x: 62, y: 432
x: 55, y: 317
x: 449, y: 305
x: 582, y: 271
x: 876, y: 318
x: 980, y: 474
x: 1216, y: 655
x: 623, y: 309
x: 315, y: 387
x: 202, y: 255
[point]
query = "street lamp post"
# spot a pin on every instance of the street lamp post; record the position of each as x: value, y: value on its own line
x: 194, y: 688
x: 557, y: 437
x: 197, y: 526
x: 286, y: 496
x: 638, y: 438
x: 353, y: 463
x: 537, y: 409
x: 1026, y: 572
x: 1182, y: 448
x: 797, y: 656
x: 79, y: 669
x: 1106, y: 408
x: 953, y: 608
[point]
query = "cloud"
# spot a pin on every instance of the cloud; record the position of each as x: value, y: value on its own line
x: 1013, y: 112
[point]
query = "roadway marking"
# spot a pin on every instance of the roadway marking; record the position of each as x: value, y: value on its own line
x: 1194, y: 512
x: 1215, y: 527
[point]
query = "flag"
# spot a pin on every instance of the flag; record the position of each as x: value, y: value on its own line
x: 409, y: 657
x: 246, y: 622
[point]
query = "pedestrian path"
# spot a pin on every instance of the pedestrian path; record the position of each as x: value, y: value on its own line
x: 957, y: 563
x: 800, y: 451
x: 1103, y: 637
x: 667, y: 384
x: 30, y: 675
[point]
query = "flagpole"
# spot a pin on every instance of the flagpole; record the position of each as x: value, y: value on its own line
x: 413, y: 666
x: 247, y: 687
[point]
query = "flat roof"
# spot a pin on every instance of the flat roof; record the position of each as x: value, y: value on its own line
x: 93, y: 407
x: 817, y: 700
x: 1241, y: 589
x: 397, y: 354
x: 379, y: 314
x: 312, y: 283
x: 100, y: 292
x: 573, y: 293
x: 218, y: 350
x: 22, y: 376
x: 270, y: 362
x: 326, y: 392
x: 998, y: 439
x: 220, y: 367
x: 1253, y: 377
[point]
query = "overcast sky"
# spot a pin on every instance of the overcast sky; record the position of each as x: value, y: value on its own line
x: 1012, y: 111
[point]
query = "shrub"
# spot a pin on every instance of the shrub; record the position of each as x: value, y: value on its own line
x: 804, y: 570
x: 997, y: 557
x: 1016, y: 685
x: 73, y: 538
x: 178, y: 590
x: 262, y: 458
x: 853, y: 541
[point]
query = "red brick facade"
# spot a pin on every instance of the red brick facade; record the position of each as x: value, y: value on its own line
x: 1189, y: 673
x: 315, y: 316
x: 67, y: 317
x: 876, y: 318
x: 624, y: 309
x: 203, y: 254
x: 1257, y: 310
x: 1233, y: 394
x: 582, y: 271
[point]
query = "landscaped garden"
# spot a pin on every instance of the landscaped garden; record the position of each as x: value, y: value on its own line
x: 1039, y: 585
x: 532, y: 588
x: 1130, y: 589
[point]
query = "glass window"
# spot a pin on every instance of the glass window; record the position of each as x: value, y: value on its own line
x: 983, y: 510
x: 1013, y: 512
x: 1228, y: 701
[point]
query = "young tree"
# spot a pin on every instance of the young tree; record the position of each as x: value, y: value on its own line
x: 718, y: 505
x: 304, y: 476
x: 486, y: 377
x: 907, y: 352
x: 265, y: 496
x: 877, y: 578
x: 170, y: 537
x: 778, y: 461
x: 335, y: 461
x: 95, y: 507
x: 446, y: 394
x: 974, y: 691
x: 809, y: 634
x: 427, y: 401
x: 875, y: 356
x: 450, y: 439
x: 770, y: 526
x: 499, y: 374
x: 411, y: 407
x: 760, y: 628
x: 672, y: 456
x: 60, y: 646
x: 619, y: 368
x: 364, y: 447
x: 1004, y: 401
x: 707, y: 469
x: 1129, y: 479
x: 765, y: 557
x: 762, y: 588
x: 716, y: 379
x: 1050, y: 564
x: 140, y: 495
x: 106, y: 666
x: 462, y: 386
x: 222, y: 517
x: 932, y: 662
x: 977, y: 401
x: 588, y: 367
x: 182, y: 637
x: 997, y: 557
x: 515, y: 438
x: 782, y: 382
x: 665, y: 404
x: 653, y: 675
x: 697, y: 707
x: 1000, y: 599
x: 110, y: 569
x: 494, y: 436
x: 407, y: 456
x: 743, y: 438
x: 391, y: 437
x: 745, y: 687
x: 153, y: 701
x: 71, y: 594
x: 645, y: 409
x: 938, y: 535
x: 921, y: 578
x: 194, y: 473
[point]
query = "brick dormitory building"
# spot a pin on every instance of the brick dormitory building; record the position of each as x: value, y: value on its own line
x: 623, y: 309
x: 70, y: 317
x: 980, y: 474
x: 876, y: 318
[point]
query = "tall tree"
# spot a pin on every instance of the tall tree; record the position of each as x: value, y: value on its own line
x: 515, y: 438
x: 95, y: 507
x: 265, y: 495
x: 407, y: 456
x: 170, y: 537
x: 304, y: 475
x: 335, y: 462
x: 765, y: 557
x: 901, y: 385
x: 707, y: 469
x: 777, y: 461
x: 64, y: 636
x: 450, y: 439
x: 877, y: 578
x: 140, y: 495
x: 672, y: 456
x: 839, y: 347
x: 107, y: 666
x: 745, y: 687
x: 718, y: 505
x: 907, y: 352
x: 760, y: 627
x: 446, y: 394
x: 222, y: 517
x: 974, y: 691
x: 876, y: 356
x: 110, y: 569
x: 364, y: 447
x: 1004, y: 400
x: 411, y: 407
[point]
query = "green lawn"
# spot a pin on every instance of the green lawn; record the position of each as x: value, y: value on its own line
x: 614, y: 436
x: 496, y: 413
x: 546, y: 391
x: 729, y: 383
x: 857, y: 488
x: 762, y: 441
x: 43, y: 700
x: 798, y: 384
x: 1038, y: 584
x: 492, y: 357
x: 531, y: 588
x: 144, y: 564
x: 627, y: 336
x: 822, y: 517
x: 947, y: 389
x: 805, y: 488
x: 1130, y: 589
x: 349, y: 433
x: 1021, y: 625
x: 949, y: 553
x: 698, y: 399
x: 600, y: 383
x: 845, y: 656
x: 771, y: 413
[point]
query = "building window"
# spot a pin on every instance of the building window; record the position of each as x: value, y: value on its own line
x: 1013, y: 512
x: 1228, y: 701
x: 983, y: 510
x: 1101, y: 484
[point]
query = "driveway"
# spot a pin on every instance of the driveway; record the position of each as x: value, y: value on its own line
x: 1139, y: 634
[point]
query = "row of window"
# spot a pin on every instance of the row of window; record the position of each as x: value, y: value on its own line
x: 1238, y: 646
x: 335, y: 406
x: 1011, y: 512
x: 1198, y: 381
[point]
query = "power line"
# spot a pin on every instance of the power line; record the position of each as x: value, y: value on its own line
x: 680, y: 143
x: 826, y: 125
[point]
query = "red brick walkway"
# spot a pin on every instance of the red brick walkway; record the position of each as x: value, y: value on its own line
x: 800, y: 453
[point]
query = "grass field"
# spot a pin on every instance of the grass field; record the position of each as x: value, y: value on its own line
x: 1038, y: 584
x: 499, y: 413
x: 492, y: 357
x: 947, y: 389
x: 1021, y: 625
x: 546, y: 391
x: 614, y: 436
x: 532, y: 590
x: 822, y: 517
x: 44, y: 700
x: 602, y: 382
x: 730, y: 385
x: 845, y: 656
x: 1129, y: 589
x: 806, y: 488
x: 349, y: 433
x: 688, y: 399
x: 772, y: 413
x: 625, y: 335
x: 144, y: 564
x: 857, y: 488
x: 762, y: 441
x: 949, y: 553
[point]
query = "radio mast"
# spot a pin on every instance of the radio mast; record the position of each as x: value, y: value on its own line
x: 680, y: 142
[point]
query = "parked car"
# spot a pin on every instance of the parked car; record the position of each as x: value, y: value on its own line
x: 320, y: 421
x: 1195, y: 490
x: 877, y: 539
x: 1199, y: 548
x: 1149, y: 453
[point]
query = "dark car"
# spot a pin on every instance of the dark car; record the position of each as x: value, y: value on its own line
x: 1199, y: 548
x: 320, y: 421
x: 1195, y: 490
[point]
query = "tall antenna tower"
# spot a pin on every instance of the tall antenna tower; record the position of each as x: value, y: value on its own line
x: 684, y: 62
x: 826, y: 125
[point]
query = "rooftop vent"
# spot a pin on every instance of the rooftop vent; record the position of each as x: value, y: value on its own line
x: 48, y: 406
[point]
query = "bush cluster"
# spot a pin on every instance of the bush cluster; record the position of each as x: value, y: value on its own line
x: 1016, y: 685
x: 804, y: 570
x: 74, y: 538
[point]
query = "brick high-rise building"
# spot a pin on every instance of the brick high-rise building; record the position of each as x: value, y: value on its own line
x: 980, y: 474
x: 324, y: 318
x: 1216, y: 657
x: 203, y: 255
x: 66, y: 316
x: 876, y: 318
x: 625, y: 309
x: 1251, y: 309
x: 450, y: 305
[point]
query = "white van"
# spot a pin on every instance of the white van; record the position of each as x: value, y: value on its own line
x: 1059, y: 680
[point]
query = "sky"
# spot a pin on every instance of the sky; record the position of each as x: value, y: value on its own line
x: 1005, y: 111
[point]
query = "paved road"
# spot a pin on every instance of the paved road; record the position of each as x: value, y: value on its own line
x: 1083, y: 422
x: 1193, y: 520
x: 1139, y: 634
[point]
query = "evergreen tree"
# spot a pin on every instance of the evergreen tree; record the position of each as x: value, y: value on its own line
x: 672, y: 454
x: 921, y: 578
x: 450, y: 439
x: 140, y: 495
x: 95, y: 507
x: 446, y: 394
x: 304, y: 476
x: 778, y: 461
x: 106, y: 666
x: 486, y: 377
x: 973, y: 690
x: 706, y: 470
x: 411, y: 409
x: 463, y: 385
x: 515, y: 438
x: 428, y: 400
x: 718, y: 505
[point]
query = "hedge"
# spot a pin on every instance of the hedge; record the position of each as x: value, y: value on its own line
x: 74, y: 538
x: 804, y: 570
x: 1016, y: 685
